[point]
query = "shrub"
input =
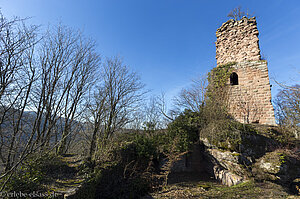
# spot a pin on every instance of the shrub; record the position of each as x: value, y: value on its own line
x: 34, y: 171
x: 128, y: 173
x: 145, y: 147
x: 184, y: 130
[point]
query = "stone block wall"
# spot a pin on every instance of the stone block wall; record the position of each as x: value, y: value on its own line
x: 190, y: 162
x: 250, y: 100
x: 237, y: 41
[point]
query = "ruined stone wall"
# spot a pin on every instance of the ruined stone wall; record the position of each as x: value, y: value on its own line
x: 250, y: 100
x: 190, y: 162
x: 237, y: 41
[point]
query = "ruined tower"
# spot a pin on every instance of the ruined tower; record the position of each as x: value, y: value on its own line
x: 249, y: 89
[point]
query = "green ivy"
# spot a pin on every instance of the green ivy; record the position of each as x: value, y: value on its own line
x: 218, y: 78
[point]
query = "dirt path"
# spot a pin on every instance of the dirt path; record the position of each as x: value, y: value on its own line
x: 67, y: 179
x: 185, y: 185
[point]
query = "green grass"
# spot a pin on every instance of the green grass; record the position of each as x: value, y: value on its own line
x: 203, y: 189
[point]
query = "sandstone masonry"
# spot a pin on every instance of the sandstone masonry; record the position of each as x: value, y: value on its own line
x: 237, y: 41
x: 249, y: 85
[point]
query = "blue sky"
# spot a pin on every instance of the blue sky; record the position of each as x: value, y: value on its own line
x: 170, y: 42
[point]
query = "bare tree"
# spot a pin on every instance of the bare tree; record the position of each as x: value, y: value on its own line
x: 65, y: 71
x: 124, y: 92
x: 168, y: 114
x: 288, y: 108
x: 96, y: 116
x: 43, y: 88
x: 17, y: 74
x: 83, y: 70
x: 193, y: 97
x: 57, y: 52
x: 237, y: 13
x: 152, y: 116
x: 117, y: 97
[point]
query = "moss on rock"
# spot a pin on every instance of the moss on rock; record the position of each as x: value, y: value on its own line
x: 278, y: 166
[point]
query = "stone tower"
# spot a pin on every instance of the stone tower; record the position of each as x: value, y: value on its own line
x: 249, y: 89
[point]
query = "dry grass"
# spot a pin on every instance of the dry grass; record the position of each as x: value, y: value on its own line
x: 204, y: 189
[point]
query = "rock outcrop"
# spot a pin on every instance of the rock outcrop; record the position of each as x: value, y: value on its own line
x: 279, y: 166
x: 226, y: 177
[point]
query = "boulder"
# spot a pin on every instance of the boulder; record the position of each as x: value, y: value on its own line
x: 226, y: 166
x: 228, y: 160
x: 226, y: 177
x: 279, y: 166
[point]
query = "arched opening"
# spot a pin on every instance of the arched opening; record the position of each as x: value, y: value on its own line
x: 234, y: 79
